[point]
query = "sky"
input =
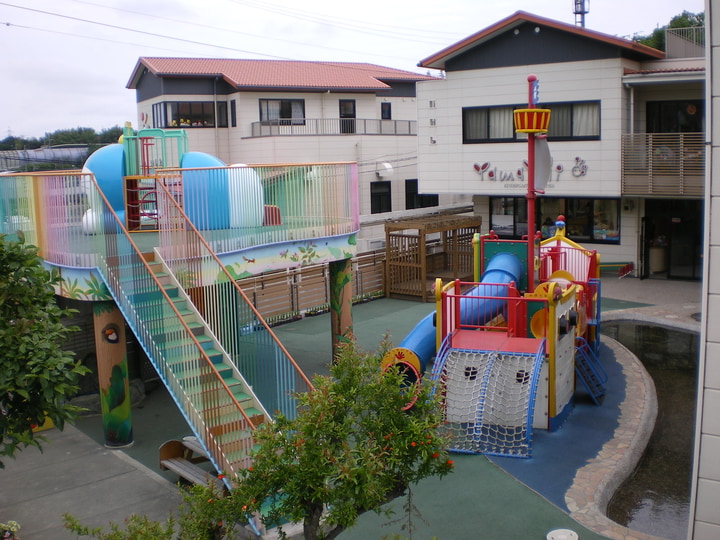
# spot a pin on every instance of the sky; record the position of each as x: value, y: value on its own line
x: 66, y: 63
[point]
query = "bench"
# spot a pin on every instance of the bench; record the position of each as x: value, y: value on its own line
x: 183, y: 458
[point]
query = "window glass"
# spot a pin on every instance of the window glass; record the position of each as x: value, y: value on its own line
x: 606, y: 220
x: 282, y: 111
x: 549, y: 210
x: 475, y: 124
x: 567, y: 121
x: 386, y: 111
x: 222, y: 114
x: 413, y: 199
x: 380, y: 197
x: 592, y: 221
x: 191, y: 114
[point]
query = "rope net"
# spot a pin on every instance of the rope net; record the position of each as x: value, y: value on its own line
x: 488, y: 399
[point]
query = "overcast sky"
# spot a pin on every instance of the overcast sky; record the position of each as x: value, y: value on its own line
x: 66, y: 63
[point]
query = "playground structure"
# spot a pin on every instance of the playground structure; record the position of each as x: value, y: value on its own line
x: 505, y: 353
x: 506, y: 362
x: 156, y: 237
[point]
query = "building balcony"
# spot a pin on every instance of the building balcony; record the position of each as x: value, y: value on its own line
x: 663, y: 164
x: 333, y: 126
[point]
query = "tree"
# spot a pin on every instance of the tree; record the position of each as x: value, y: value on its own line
x: 656, y: 40
x: 354, y: 446
x: 37, y: 376
x: 360, y: 439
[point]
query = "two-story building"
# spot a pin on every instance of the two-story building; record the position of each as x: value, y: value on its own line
x: 625, y: 137
x: 277, y: 111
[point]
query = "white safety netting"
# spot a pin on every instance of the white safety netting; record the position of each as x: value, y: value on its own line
x: 488, y: 400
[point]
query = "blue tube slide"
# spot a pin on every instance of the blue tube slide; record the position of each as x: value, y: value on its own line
x: 502, y: 269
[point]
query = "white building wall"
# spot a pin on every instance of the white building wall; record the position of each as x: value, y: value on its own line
x: 705, y: 494
x: 446, y: 165
x: 236, y: 145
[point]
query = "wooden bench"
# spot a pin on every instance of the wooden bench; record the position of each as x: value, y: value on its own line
x: 183, y: 457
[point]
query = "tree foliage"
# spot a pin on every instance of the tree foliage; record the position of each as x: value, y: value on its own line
x: 36, y: 375
x: 686, y: 19
x: 352, y: 448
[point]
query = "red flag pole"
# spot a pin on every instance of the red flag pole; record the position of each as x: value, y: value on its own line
x: 531, y: 195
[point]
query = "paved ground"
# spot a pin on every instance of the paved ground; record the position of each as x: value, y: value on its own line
x: 566, y: 483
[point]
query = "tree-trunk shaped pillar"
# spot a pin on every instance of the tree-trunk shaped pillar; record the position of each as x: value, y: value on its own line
x: 113, y: 381
x: 340, y: 302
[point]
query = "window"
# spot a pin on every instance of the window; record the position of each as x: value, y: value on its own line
x: 386, y: 110
x: 415, y: 200
x: 675, y: 116
x: 508, y: 216
x: 189, y: 114
x: 233, y: 113
x: 484, y: 124
x: 222, y: 114
x: 380, y: 197
x: 593, y: 221
x: 574, y: 120
x: 568, y: 121
x: 283, y: 112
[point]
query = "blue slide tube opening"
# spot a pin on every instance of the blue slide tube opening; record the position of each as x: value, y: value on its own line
x: 503, y: 268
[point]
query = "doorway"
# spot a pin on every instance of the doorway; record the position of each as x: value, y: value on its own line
x: 672, y: 239
x: 347, y: 116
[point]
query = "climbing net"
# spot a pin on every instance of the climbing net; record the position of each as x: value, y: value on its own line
x: 488, y: 400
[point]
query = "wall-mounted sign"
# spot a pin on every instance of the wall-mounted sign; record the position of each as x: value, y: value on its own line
x: 518, y: 177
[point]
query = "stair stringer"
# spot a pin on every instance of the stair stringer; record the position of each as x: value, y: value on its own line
x: 216, y: 437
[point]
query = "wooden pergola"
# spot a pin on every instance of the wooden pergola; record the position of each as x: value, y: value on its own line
x: 419, y: 250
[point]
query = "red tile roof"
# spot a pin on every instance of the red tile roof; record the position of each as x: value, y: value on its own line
x: 278, y: 73
x: 438, y: 59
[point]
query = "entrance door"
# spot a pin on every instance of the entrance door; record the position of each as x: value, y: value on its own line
x: 672, y: 239
x: 347, y: 116
x: 685, y: 247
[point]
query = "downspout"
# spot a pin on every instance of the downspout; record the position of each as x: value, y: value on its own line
x: 215, y: 112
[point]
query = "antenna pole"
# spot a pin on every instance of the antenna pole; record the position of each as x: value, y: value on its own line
x: 580, y: 9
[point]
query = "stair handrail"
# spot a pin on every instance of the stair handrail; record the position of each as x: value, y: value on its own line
x: 190, y: 226
x: 218, y: 458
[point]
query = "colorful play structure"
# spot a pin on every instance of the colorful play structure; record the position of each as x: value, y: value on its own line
x: 155, y: 238
x: 504, y: 353
x: 507, y: 362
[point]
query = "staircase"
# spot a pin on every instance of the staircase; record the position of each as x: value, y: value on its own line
x: 208, y: 388
x: 589, y: 370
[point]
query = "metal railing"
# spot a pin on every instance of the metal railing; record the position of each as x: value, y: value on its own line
x: 241, y: 330
x: 333, y: 126
x: 685, y: 42
x: 663, y: 164
x: 235, y: 208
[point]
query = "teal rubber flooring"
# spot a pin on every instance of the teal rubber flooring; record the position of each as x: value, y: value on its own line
x: 479, y: 500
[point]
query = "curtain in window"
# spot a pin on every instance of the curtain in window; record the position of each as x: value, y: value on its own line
x: 298, y: 112
x: 501, y: 123
x: 560, y: 121
x: 272, y: 110
x: 475, y: 124
x: 586, y: 120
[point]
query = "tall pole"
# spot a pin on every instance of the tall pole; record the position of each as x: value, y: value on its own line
x: 532, y: 100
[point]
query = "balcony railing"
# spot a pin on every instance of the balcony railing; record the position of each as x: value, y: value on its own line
x: 685, y: 42
x: 665, y: 164
x: 234, y: 208
x: 333, y: 126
